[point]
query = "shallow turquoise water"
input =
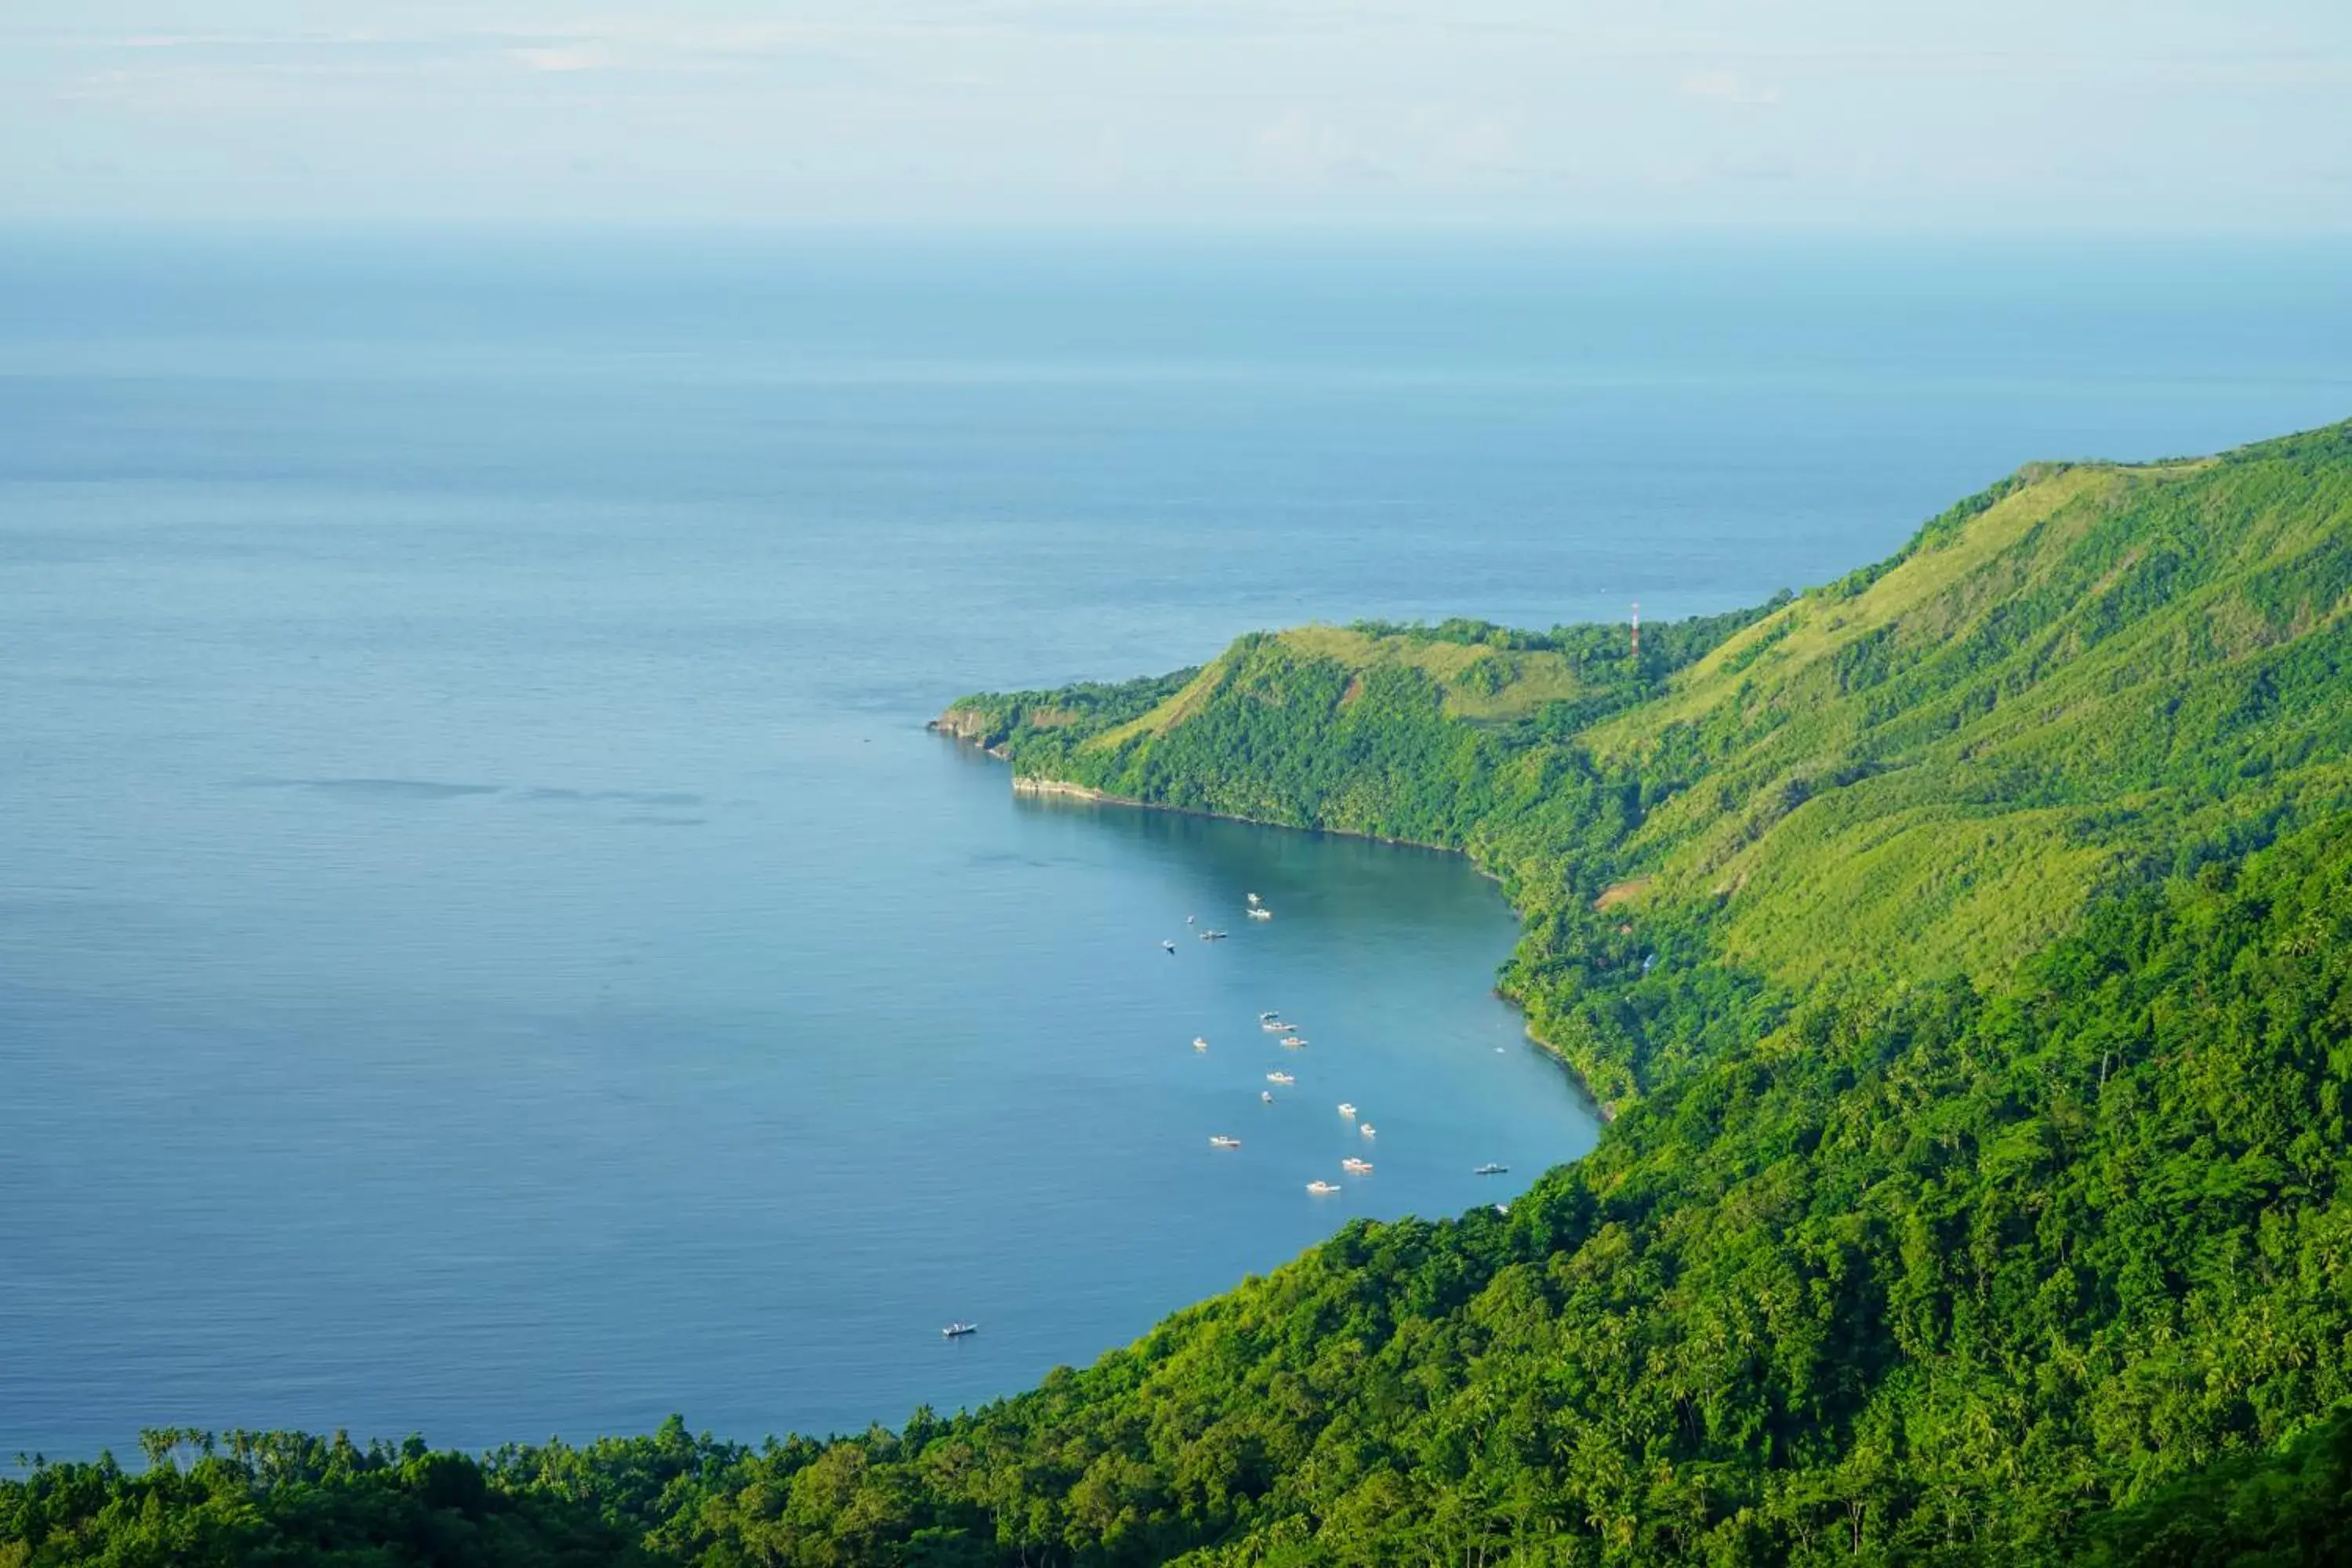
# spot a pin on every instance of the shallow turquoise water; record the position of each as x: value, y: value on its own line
x: 486, y: 944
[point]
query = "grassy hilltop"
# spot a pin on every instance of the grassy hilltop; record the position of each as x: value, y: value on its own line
x: 1967, y: 947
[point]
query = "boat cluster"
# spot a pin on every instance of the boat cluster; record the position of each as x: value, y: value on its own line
x: 1274, y: 1023
x: 1288, y: 1036
x: 1257, y: 911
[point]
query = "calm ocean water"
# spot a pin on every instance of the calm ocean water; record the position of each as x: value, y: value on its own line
x: 486, y: 945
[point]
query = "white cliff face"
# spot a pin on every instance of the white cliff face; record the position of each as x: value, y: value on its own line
x: 1026, y: 785
x: 963, y: 723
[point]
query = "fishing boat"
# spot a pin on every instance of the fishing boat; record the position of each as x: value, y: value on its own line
x: 1357, y: 1167
x: 1268, y: 1017
x: 1212, y: 936
x: 1260, y: 912
x: 1274, y: 1025
x: 1322, y: 1189
x: 1347, y: 1110
x: 1223, y: 1143
x: 1369, y: 1130
x: 1280, y: 1078
x: 1296, y: 1042
x: 1491, y: 1169
x: 959, y: 1329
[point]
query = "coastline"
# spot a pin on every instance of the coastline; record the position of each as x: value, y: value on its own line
x: 1033, y: 784
x: 1060, y: 789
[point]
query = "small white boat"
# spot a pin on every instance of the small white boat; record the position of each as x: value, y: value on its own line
x: 1280, y: 1078
x: 1261, y: 913
x: 1347, y: 1110
x: 1268, y: 1017
x: 957, y: 1330
x: 1369, y: 1130
x: 1190, y: 919
x: 1223, y: 1143
x: 1274, y: 1025
x: 1491, y: 1169
x: 1357, y: 1167
x: 1212, y: 936
x: 1252, y: 898
x: 1169, y: 945
x: 1322, y: 1189
x: 1200, y: 1042
x: 1266, y: 1095
x: 1294, y: 1042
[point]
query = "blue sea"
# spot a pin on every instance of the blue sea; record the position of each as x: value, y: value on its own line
x: 486, y: 944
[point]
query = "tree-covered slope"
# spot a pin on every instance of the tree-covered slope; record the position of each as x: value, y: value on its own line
x: 1967, y: 946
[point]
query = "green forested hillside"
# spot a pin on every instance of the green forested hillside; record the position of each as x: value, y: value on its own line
x: 1967, y: 947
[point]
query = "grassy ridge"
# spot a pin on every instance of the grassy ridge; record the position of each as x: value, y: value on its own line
x: 1967, y: 945
x: 2106, y: 668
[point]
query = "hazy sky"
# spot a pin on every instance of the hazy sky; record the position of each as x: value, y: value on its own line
x: 2226, y: 115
